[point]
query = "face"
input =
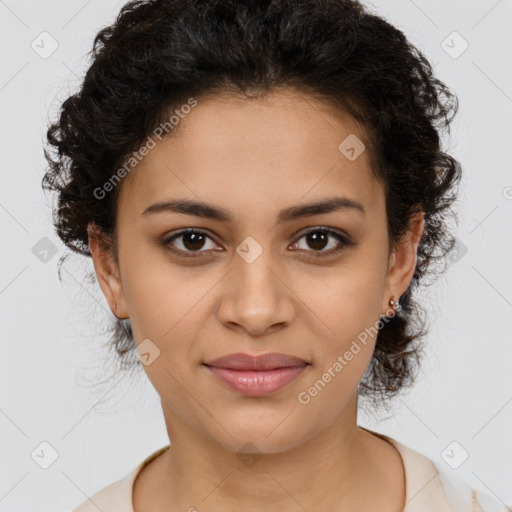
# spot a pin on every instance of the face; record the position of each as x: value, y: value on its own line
x: 266, y: 276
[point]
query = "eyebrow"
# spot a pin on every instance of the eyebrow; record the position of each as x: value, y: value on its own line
x: 209, y: 211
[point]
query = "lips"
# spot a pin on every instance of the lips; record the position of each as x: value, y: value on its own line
x: 256, y: 376
x: 271, y: 361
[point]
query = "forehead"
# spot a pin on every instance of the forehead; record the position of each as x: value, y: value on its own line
x: 256, y: 155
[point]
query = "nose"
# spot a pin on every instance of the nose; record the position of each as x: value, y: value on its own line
x: 256, y: 299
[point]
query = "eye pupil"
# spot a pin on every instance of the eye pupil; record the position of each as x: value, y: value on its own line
x: 317, y: 237
x: 193, y: 241
x: 194, y: 238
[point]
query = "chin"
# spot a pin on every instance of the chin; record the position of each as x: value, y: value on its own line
x: 255, y: 445
x: 263, y: 437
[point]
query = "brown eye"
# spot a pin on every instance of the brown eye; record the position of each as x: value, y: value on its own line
x: 192, y: 240
x: 318, y: 239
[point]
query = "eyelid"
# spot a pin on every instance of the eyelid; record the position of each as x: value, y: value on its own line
x: 328, y: 229
x: 342, y: 237
x: 166, y: 241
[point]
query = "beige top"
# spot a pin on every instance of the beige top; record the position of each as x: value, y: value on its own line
x: 428, y: 488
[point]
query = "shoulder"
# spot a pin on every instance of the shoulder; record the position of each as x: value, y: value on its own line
x: 428, y: 486
x: 117, y: 496
x: 432, y: 487
x: 460, y: 494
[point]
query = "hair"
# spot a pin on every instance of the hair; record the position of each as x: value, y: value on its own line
x: 160, y: 53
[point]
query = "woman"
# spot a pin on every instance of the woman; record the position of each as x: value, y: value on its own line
x: 261, y: 188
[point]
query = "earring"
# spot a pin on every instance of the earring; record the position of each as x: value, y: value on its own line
x: 393, y: 303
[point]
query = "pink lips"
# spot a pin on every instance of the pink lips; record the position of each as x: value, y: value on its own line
x: 257, y: 375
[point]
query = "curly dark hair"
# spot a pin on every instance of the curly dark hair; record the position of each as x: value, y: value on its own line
x: 159, y: 53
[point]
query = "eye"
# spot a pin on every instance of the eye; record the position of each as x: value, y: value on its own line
x: 318, y: 239
x: 193, y: 239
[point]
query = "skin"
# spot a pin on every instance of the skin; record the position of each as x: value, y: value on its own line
x: 254, y: 158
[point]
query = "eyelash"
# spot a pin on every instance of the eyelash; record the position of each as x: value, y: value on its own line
x: 345, y: 242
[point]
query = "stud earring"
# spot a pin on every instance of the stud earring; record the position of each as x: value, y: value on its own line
x: 393, y: 303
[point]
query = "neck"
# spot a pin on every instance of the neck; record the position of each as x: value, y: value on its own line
x: 335, y: 469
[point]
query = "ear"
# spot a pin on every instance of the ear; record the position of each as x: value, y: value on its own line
x: 403, y: 260
x: 107, y: 270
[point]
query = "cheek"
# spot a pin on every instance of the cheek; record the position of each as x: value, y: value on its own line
x: 345, y: 301
x: 161, y: 297
x: 348, y: 309
x: 169, y: 305
x: 346, y: 306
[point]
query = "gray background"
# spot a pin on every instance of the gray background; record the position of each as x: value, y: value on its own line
x: 52, y: 331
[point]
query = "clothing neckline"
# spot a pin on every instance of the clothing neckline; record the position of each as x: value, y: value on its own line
x: 423, y: 488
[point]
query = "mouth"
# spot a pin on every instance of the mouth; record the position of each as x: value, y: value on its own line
x: 270, y: 361
x: 256, y: 375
